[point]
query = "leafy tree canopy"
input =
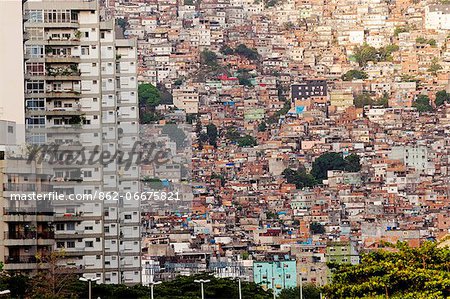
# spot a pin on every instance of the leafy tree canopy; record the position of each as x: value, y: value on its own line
x: 405, y: 272
x: 248, y: 53
x: 148, y: 95
x: 334, y: 161
x: 310, y: 291
x: 422, y: 103
x: 247, y: 141
x: 442, y: 97
x: 299, y: 177
x: 209, y: 58
x: 354, y: 74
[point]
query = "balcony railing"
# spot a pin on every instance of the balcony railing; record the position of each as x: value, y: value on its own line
x: 25, y: 211
x: 20, y: 259
x: 27, y: 187
x: 29, y: 235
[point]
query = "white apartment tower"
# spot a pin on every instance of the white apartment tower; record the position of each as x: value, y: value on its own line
x: 81, y: 92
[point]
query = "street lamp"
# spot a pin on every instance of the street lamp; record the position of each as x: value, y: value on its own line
x: 90, y: 280
x: 201, y: 282
x: 301, y: 285
x: 152, y: 283
x: 240, y: 289
x: 5, y: 292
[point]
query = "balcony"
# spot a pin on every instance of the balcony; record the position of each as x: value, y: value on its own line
x: 62, y: 59
x: 29, y: 239
x: 14, y: 235
x: 23, y: 262
x: 67, y: 93
x: 71, y: 24
x: 55, y: 112
x: 20, y: 259
x: 67, y: 73
x: 26, y: 215
x: 24, y: 187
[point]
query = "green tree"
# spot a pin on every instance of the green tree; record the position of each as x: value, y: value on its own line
x: 399, y: 30
x: 327, y: 161
x: 422, y: 103
x: 262, y: 127
x: 209, y: 58
x: 435, y: 66
x: 421, y: 40
x: 385, y: 53
x: 212, y: 133
x: 364, y: 54
x: 248, y: 53
x: 149, y: 117
x: 247, y: 141
x: 55, y: 282
x: 232, y: 134
x: 122, y: 23
x: 244, y: 81
x: 299, y: 177
x: 353, y: 163
x: 17, y: 283
x: 148, y: 95
x: 310, y: 291
x: 442, y: 97
x: 226, y: 50
x: 354, y: 74
x: 406, y: 272
x: 316, y: 228
x: 184, y: 287
x: 362, y: 100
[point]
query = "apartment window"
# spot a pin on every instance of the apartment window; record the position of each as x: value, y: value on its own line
x: 36, y: 138
x: 86, y: 34
x: 70, y: 244
x: 35, y: 16
x: 35, y: 122
x: 58, y: 122
x: 35, y: 86
x: 88, y: 228
x: 36, y: 33
x: 35, y: 104
x: 89, y: 244
x: 127, y: 217
x: 87, y: 174
x: 102, y: 35
x: 57, y: 104
x: 70, y: 226
x: 59, y: 226
x: 35, y: 68
x: 34, y: 51
x: 106, y: 228
x: 60, y: 244
x: 85, y: 50
x: 56, y: 16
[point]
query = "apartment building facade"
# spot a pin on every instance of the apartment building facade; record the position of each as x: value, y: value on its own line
x: 81, y: 95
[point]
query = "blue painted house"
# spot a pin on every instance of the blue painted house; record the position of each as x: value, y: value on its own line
x: 276, y: 274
